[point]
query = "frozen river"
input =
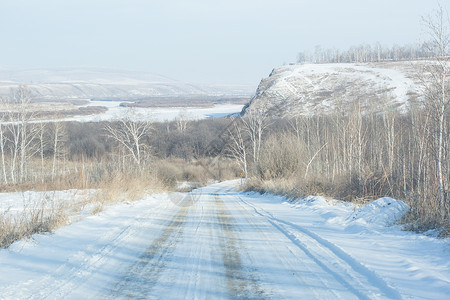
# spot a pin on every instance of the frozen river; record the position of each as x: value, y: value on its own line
x: 157, y: 114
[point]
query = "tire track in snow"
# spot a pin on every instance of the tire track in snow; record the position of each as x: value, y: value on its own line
x: 362, y: 282
x: 143, y: 275
x: 241, y: 284
x: 293, y: 267
x: 195, y: 256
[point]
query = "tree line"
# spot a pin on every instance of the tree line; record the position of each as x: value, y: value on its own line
x: 364, y: 53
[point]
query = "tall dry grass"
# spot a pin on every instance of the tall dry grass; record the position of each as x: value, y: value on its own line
x: 174, y: 170
x: 36, y: 217
x: 48, y: 214
x: 125, y: 188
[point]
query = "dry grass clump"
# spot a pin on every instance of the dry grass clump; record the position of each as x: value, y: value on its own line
x: 42, y: 216
x: 284, y: 187
x: 124, y: 188
x: 172, y: 171
x: 168, y: 172
x: 424, y: 216
x: 291, y: 188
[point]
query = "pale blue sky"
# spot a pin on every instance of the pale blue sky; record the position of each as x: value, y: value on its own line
x: 199, y: 41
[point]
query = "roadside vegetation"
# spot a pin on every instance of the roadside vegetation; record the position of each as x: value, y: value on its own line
x: 365, y: 152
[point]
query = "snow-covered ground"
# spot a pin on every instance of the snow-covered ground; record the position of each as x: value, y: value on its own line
x: 216, y: 243
x: 22, y: 203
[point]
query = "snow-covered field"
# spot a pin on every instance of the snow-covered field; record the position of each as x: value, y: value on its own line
x: 216, y: 243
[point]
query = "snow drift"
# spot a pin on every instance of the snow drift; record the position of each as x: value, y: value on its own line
x: 381, y: 212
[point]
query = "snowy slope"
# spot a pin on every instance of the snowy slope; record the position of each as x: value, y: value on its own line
x: 216, y: 243
x: 323, y: 88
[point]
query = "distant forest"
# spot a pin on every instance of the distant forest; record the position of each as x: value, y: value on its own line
x: 365, y: 53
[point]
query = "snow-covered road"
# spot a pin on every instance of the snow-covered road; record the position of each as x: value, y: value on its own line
x: 216, y: 243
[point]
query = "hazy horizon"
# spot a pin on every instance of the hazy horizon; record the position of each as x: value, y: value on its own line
x: 220, y: 42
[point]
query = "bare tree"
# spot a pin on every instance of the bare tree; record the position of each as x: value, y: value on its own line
x: 255, y: 122
x: 238, y: 147
x: 436, y: 90
x: 182, y: 120
x: 22, y: 133
x: 42, y: 147
x: 59, y: 137
x: 130, y: 135
x: 3, y: 142
x: 363, y: 53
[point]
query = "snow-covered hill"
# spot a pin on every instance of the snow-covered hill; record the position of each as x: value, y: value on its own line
x: 88, y: 83
x: 323, y: 88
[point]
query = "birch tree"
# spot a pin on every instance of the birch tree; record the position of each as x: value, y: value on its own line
x: 42, y: 147
x: 59, y: 137
x: 130, y: 135
x: 3, y: 142
x: 436, y: 90
x: 255, y: 122
x: 22, y: 133
x: 238, y: 147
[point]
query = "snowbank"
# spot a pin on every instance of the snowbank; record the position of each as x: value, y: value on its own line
x: 381, y: 212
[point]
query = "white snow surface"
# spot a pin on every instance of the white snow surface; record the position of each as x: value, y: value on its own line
x: 216, y: 243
